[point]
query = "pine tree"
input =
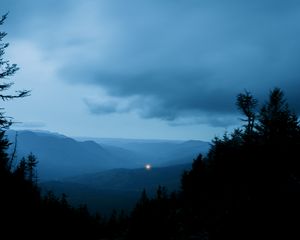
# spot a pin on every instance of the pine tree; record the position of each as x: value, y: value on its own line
x: 277, y: 123
x: 31, y: 168
x: 247, y: 104
x: 6, y: 70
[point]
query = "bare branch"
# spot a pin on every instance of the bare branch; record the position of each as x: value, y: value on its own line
x: 3, y: 18
x: 19, y: 94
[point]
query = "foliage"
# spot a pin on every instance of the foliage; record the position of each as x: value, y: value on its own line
x: 24, y: 213
x: 247, y: 187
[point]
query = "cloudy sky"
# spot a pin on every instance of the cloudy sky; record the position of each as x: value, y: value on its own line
x: 148, y: 69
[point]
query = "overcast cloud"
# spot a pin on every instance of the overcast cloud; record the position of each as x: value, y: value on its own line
x: 179, y: 61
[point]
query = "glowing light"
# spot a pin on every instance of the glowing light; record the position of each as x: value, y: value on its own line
x: 148, y: 166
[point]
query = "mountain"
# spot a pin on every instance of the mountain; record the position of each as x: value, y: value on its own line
x: 133, y: 179
x: 105, y: 173
x: 158, y: 152
x: 60, y: 156
x: 103, y: 201
x: 117, y: 188
x: 186, y: 151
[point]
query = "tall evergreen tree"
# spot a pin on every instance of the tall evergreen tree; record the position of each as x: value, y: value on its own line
x: 277, y: 123
x: 247, y: 104
x: 31, y: 165
x: 6, y: 71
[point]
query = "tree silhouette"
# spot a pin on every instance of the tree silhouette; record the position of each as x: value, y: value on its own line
x: 247, y: 187
x: 248, y: 182
x: 247, y: 104
x: 276, y: 121
x: 23, y: 210
x: 6, y: 71
x: 31, y: 165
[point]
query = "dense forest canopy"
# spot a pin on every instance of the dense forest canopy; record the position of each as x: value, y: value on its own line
x: 247, y: 187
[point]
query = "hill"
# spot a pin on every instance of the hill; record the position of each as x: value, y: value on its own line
x: 117, y: 188
x: 158, y: 152
x: 60, y: 156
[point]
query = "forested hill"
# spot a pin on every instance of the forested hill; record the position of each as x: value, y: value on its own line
x: 117, y: 188
x: 60, y: 156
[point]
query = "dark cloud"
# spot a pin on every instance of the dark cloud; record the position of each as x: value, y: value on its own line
x: 214, y: 120
x: 97, y: 108
x: 107, y: 107
x: 194, y: 61
x: 176, y: 59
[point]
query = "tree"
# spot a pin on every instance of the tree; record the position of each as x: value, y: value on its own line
x: 21, y: 169
x: 246, y: 103
x: 6, y: 71
x: 276, y: 121
x: 31, y: 165
x: 22, y: 206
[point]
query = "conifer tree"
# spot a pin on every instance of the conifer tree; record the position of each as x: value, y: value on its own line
x: 6, y: 71
x: 31, y: 165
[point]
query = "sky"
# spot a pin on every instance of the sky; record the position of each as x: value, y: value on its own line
x: 148, y: 69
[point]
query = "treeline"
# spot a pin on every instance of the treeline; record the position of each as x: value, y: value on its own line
x: 247, y: 187
x: 25, y: 213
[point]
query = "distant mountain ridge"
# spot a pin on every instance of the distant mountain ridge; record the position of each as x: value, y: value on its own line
x: 133, y: 179
x: 158, y: 152
x: 105, y: 173
x: 60, y: 156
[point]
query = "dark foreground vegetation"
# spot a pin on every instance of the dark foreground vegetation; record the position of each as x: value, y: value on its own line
x: 247, y: 187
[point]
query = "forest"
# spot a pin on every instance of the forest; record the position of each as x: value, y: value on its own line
x: 246, y: 187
